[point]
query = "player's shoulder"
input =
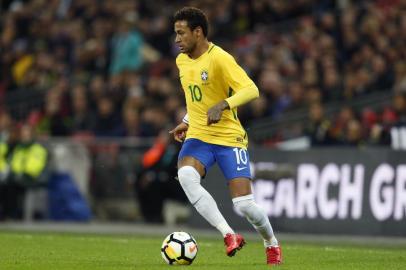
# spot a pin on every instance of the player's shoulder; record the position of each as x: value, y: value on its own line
x: 220, y: 54
x: 181, y: 58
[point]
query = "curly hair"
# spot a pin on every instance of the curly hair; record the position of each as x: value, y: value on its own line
x: 194, y: 18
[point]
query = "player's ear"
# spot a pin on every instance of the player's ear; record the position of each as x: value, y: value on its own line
x: 198, y: 31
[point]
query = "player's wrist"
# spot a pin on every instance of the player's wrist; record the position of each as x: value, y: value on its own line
x: 186, y: 119
x: 223, y: 105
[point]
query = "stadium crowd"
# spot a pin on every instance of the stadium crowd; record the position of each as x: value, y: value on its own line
x: 106, y: 68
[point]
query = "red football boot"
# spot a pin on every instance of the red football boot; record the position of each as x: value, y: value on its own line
x: 233, y: 243
x: 273, y: 255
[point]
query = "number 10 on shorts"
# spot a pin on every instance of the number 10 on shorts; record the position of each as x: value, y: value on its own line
x: 240, y: 156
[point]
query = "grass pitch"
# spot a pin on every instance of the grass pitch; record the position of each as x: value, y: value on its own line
x: 54, y: 251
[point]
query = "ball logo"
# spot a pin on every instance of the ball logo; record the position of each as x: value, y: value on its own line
x: 192, y: 248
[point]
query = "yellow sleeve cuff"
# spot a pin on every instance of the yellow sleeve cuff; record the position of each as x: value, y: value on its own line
x: 243, y: 96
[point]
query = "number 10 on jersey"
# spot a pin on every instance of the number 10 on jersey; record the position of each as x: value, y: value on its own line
x: 195, y: 93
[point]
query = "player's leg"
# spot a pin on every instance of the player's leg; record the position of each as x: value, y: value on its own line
x: 195, y: 158
x: 234, y: 162
x: 243, y: 200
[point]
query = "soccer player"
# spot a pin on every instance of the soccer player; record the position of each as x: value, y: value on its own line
x: 215, y: 85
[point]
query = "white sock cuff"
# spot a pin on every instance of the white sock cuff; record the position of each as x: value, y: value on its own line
x: 188, y: 171
x: 224, y: 228
x: 243, y: 198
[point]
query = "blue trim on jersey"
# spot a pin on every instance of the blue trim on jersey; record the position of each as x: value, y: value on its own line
x: 234, y: 162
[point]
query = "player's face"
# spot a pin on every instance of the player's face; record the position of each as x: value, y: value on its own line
x: 186, y: 39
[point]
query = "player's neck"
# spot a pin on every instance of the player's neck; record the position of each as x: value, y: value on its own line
x: 200, y: 49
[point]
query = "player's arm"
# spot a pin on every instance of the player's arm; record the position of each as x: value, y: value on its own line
x: 243, y: 96
x: 244, y: 88
x: 179, y: 132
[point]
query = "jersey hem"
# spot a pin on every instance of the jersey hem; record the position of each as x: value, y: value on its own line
x: 219, y: 142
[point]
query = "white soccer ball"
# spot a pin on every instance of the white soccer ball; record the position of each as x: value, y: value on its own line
x: 179, y: 248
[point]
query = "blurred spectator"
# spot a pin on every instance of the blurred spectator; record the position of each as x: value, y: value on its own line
x: 383, y: 76
x: 28, y: 158
x: 97, y: 89
x: 53, y: 122
x: 255, y: 109
x: 5, y: 126
x: 126, y: 46
x: 4, y: 169
x: 318, y: 127
x: 108, y: 120
x: 399, y: 106
x: 353, y: 134
x: 400, y: 76
x: 83, y: 119
x: 27, y: 162
x: 380, y: 132
x: 338, y: 128
x: 369, y: 118
x: 153, y: 120
x: 390, y: 129
x: 398, y: 130
x: 131, y: 119
x: 156, y: 181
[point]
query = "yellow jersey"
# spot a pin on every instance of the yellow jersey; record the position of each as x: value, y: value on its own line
x: 207, y: 80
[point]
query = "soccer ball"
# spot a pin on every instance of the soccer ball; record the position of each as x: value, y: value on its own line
x: 179, y: 248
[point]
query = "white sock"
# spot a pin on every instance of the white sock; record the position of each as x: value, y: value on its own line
x: 257, y: 217
x: 204, y: 203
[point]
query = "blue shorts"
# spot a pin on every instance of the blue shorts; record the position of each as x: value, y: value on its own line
x: 234, y: 162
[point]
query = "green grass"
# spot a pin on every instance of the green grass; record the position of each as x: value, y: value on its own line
x: 43, y: 251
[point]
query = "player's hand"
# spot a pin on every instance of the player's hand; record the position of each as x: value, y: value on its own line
x: 214, y: 113
x: 179, y: 132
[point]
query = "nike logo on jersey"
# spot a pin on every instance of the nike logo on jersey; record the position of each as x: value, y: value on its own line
x: 241, y: 168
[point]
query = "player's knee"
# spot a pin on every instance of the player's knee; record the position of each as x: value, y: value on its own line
x: 188, y: 175
x: 247, y: 206
x: 189, y: 179
x: 244, y: 203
